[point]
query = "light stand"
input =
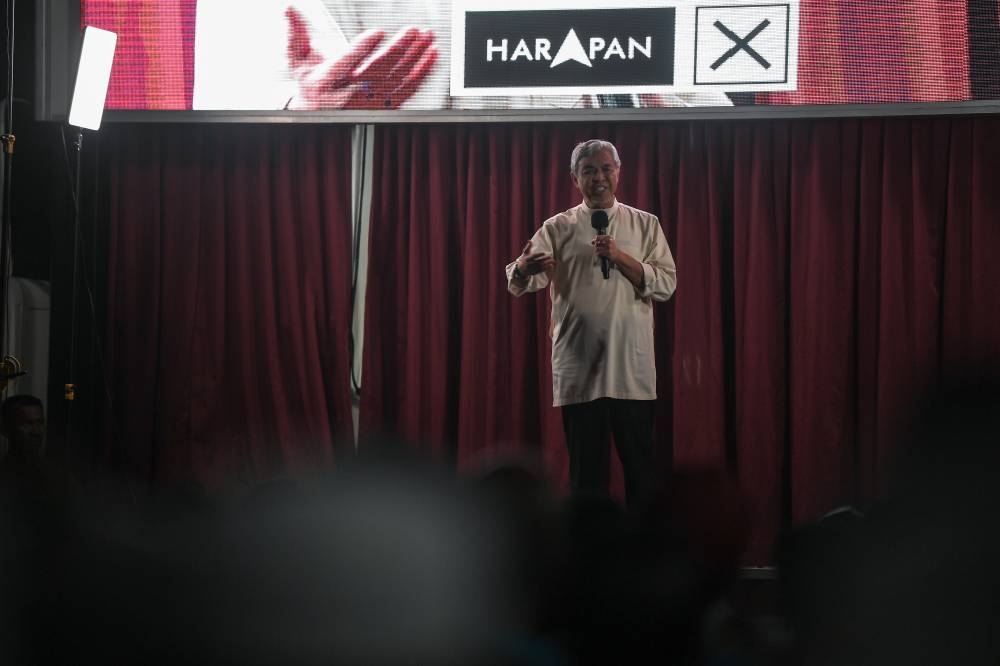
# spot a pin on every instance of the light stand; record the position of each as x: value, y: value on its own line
x: 7, y: 140
x: 10, y: 366
x: 86, y: 110
x: 70, y: 388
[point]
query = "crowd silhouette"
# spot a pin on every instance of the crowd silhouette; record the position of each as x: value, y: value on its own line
x: 389, y: 559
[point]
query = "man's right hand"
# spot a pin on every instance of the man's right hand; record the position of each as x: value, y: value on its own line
x: 531, y: 263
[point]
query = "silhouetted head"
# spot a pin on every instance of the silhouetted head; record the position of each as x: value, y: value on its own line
x: 23, y: 424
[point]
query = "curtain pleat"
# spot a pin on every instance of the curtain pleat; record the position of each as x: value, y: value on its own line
x: 228, y: 300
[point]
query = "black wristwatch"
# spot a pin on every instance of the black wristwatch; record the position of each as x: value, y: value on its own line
x: 517, y: 274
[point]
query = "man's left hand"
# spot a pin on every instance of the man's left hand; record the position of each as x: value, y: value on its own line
x: 627, y: 265
x: 605, y: 246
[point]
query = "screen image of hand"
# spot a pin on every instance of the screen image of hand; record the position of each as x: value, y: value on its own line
x: 375, y: 72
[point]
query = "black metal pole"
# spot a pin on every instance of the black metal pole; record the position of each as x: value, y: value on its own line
x: 69, y: 388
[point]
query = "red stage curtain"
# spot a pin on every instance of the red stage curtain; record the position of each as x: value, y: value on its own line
x: 229, y: 280
x: 827, y: 270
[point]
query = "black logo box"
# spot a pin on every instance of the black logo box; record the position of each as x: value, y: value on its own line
x: 554, y: 24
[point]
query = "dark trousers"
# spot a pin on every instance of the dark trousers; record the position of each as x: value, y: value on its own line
x: 589, y: 426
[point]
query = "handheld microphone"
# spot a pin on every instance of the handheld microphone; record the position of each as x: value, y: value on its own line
x: 599, y: 220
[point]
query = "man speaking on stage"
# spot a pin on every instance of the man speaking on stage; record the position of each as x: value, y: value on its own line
x: 604, y: 263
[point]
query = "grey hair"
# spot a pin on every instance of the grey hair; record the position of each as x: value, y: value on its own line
x: 592, y: 147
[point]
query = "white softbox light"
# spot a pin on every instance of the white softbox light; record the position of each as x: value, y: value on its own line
x: 92, y: 76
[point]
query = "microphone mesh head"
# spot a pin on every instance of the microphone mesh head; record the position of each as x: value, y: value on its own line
x: 599, y: 219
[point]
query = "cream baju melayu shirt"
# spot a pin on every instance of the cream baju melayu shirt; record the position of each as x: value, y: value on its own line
x: 601, y: 330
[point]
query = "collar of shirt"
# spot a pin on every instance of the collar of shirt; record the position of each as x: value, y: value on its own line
x: 588, y: 211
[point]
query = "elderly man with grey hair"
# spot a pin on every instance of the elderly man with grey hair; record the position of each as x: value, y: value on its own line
x: 604, y: 263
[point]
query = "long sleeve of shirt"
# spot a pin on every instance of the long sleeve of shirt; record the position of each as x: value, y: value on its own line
x: 540, y: 242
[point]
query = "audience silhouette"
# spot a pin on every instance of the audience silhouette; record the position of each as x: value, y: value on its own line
x: 391, y: 560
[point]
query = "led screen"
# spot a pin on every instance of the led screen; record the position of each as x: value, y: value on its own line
x: 450, y: 57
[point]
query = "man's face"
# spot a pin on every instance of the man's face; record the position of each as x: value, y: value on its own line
x: 597, y: 179
x: 26, y: 429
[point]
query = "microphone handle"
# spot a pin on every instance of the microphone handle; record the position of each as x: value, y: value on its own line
x: 605, y: 267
